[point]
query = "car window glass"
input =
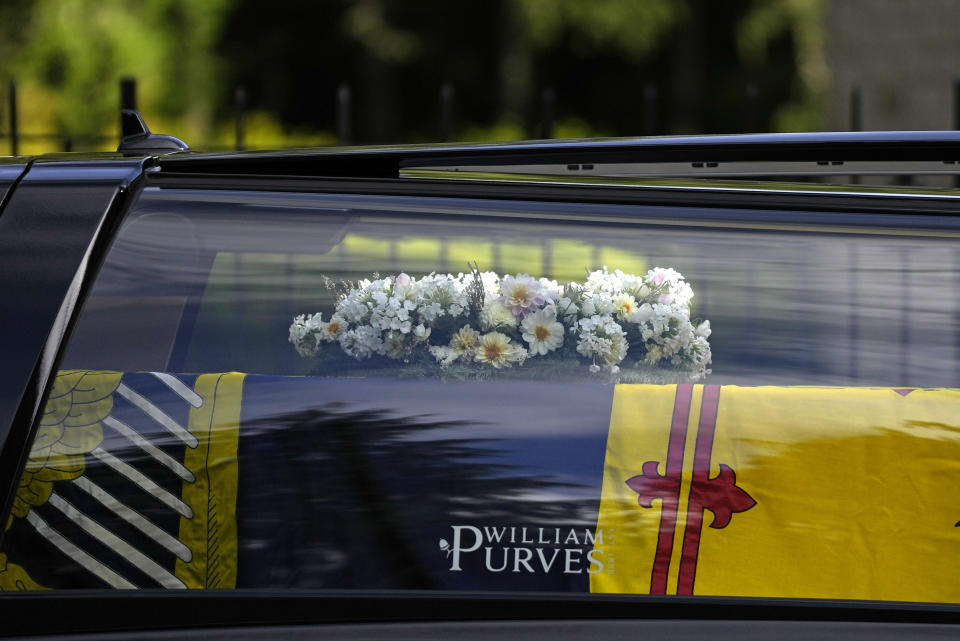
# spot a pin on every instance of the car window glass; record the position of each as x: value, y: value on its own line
x: 270, y: 390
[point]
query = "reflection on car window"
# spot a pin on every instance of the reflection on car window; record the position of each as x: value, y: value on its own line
x: 320, y: 391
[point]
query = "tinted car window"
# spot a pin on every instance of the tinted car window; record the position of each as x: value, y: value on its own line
x: 581, y: 398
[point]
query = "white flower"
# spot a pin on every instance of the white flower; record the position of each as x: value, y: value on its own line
x: 422, y: 332
x: 703, y: 329
x: 491, y: 283
x: 670, y: 287
x: 431, y: 312
x: 495, y: 350
x: 542, y: 331
x: 495, y: 314
x: 444, y: 289
x: 663, y: 275
x: 465, y: 341
x: 624, y: 305
x: 567, y: 309
x: 550, y: 289
x: 598, y: 304
x: 588, y: 308
x: 618, y: 349
x: 305, y: 332
x: 446, y: 356
x: 331, y: 330
x: 601, y: 338
x: 395, y: 316
x: 362, y: 342
x: 298, y: 328
x: 353, y: 309
x: 642, y: 314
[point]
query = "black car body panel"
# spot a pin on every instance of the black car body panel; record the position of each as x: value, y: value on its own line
x: 10, y: 173
x: 179, y: 613
x: 51, y: 229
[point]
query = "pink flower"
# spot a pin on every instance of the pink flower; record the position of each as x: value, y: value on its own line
x: 658, y: 278
x: 521, y: 294
x: 666, y: 299
x: 403, y: 279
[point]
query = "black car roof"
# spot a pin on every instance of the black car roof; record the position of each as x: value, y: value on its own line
x: 388, y: 160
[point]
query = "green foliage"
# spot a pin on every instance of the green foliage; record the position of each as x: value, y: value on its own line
x: 72, y: 54
x: 631, y: 27
x: 802, y: 21
x: 367, y: 23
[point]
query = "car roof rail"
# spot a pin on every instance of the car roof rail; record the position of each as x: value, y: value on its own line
x: 136, y: 137
x: 732, y: 156
x: 785, y: 154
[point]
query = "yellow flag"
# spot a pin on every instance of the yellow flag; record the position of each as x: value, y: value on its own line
x: 840, y: 493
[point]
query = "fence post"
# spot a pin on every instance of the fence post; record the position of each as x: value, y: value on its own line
x: 343, y: 114
x: 649, y: 110
x: 128, y: 93
x: 446, y: 112
x: 128, y: 98
x: 14, y: 133
x: 753, y: 94
x: 240, y: 104
x: 856, y: 122
x: 548, y: 101
x: 956, y: 121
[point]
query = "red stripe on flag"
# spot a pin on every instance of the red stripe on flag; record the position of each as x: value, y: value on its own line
x: 670, y: 503
x: 701, y: 474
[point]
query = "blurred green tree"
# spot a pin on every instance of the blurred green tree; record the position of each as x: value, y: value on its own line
x: 716, y: 67
x: 69, y: 55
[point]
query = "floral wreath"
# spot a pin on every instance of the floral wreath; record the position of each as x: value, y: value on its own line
x: 480, y: 323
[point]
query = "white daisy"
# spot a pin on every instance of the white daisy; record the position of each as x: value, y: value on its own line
x: 624, y: 305
x: 495, y: 349
x: 331, y: 329
x: 542, y: 331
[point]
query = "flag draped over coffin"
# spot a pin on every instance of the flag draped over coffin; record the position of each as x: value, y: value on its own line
x: 845, y: 493
x: 233, y: 480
